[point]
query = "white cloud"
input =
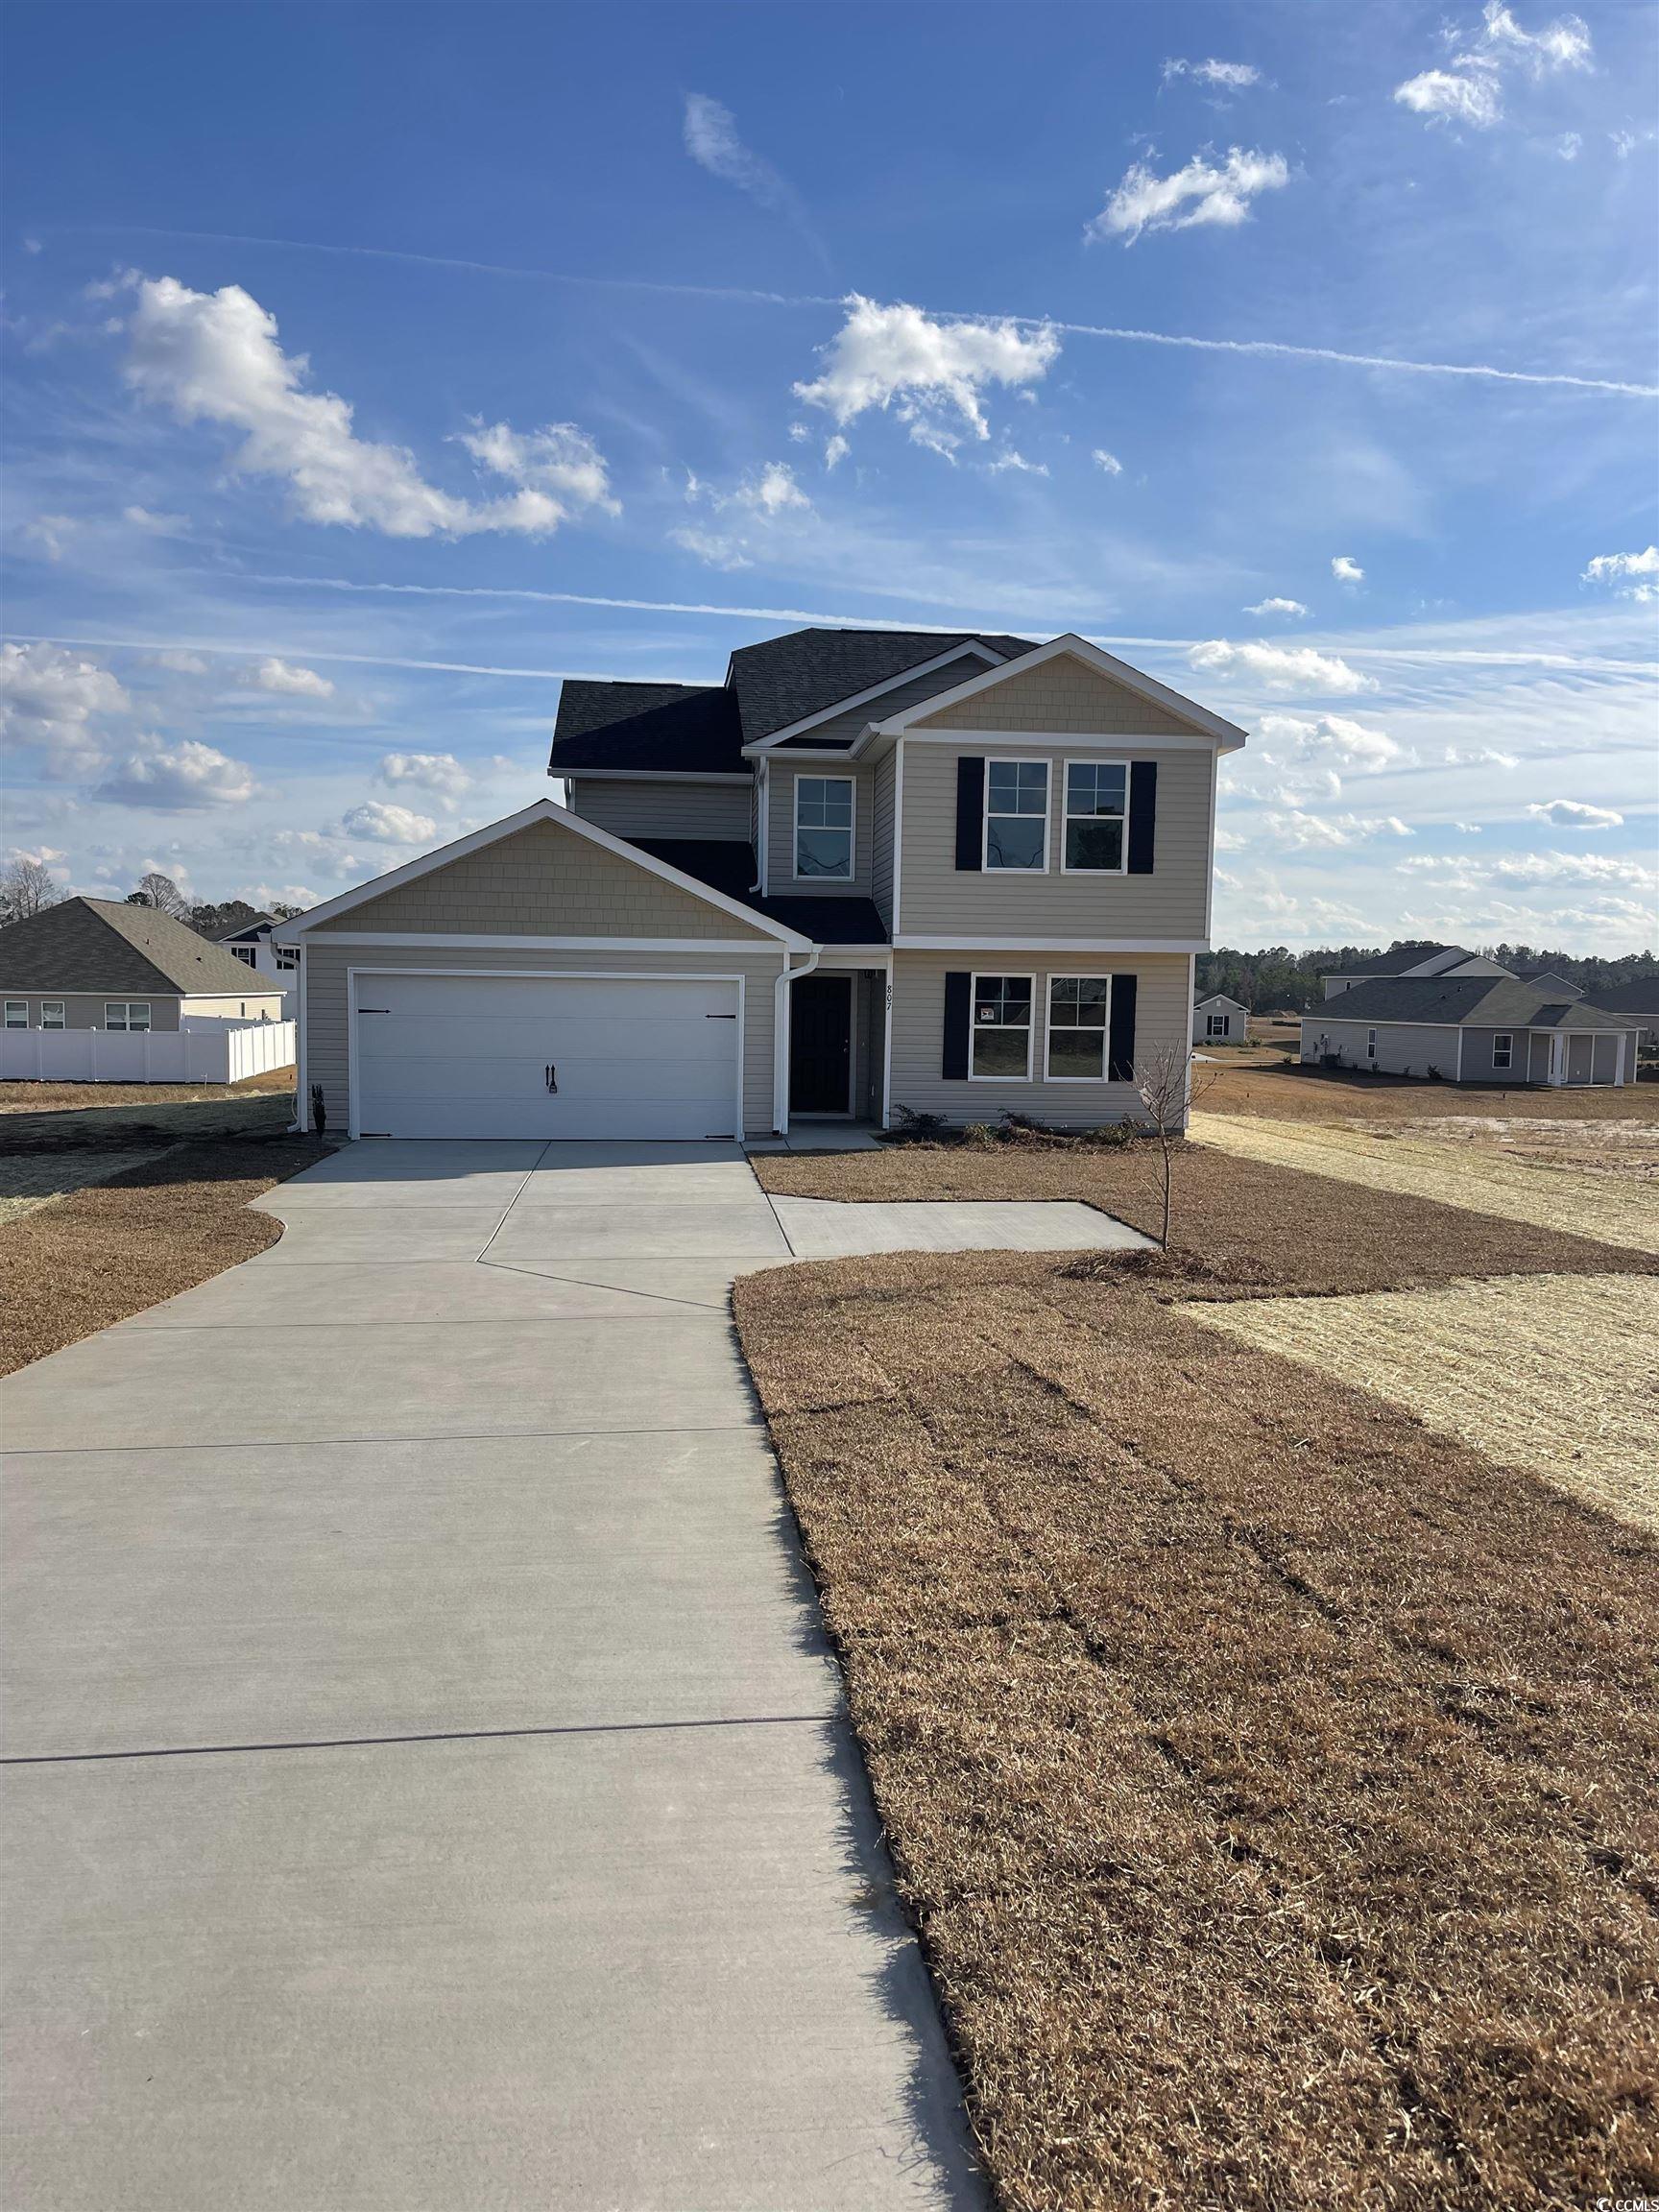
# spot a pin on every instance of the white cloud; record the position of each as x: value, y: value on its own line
x: 177, y: 779
x: 1280, y: 667
x: 267, y: 895
x: 1327, y: 740
x: 773, y: 490
x: 1202, y: 193
x: 1626, y: 142
x: 52, y: 533
x: 155, y: 525
x: 437, y: 772
x: 1563, y: 44
x: 1569, y: 146
x: 1470, y: 90
x: 924, y: 369
x: 1633, y: 575
x: 711, y: 547
x: 50, y: 698
x: 1290, y: 608
x: 800, y: 433
x: 1575, y: 814
x: 1347, y: 570
x: 1109, y: 461
x: 1221, y: 76
x: 214, y: 358
x: 1452, y: 96
x: 1008, y: 459
x: 284, y: 677
x: 177, y: 661
x: 383, y: 823
x: 835, y: 450
x: 1308, y: 832
x: 1484, y: 757
x: 712, y: 142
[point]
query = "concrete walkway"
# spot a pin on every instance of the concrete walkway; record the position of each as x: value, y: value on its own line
x: 427, y: 1787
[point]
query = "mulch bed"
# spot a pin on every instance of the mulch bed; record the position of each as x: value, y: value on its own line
x: 84, y: 1262
x: 1272, y: 1782
x: 1250, y: 1226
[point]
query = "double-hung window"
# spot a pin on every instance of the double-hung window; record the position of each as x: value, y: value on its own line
x: 1001, y: 1027
x: 1370, y: 1043
x: 51, y: 1013
x: 1096, y: 817
x: 823, y: 827
x: 1078, y: 1012
x: 127, y: 1014
x: 1017, y: 814
x: 1503, y: 1050
x: 1214, y: 1024
x: 16, y: 1013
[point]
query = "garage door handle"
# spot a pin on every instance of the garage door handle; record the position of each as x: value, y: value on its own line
x: 719, y: 1016
x: 552, y: 1076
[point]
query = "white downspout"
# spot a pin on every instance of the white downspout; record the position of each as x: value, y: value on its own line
x: 780, y: 1037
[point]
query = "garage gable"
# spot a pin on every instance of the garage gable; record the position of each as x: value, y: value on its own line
x: 545, y: 879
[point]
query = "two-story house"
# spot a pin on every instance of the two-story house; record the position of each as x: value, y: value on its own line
x: 872, y: 870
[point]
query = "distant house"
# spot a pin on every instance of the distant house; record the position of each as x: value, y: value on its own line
x: 249, y: 941
x: 1220, y: 1021
x: 100, y: 964
x: 1470, y: 1028
x: 1546, y: 979
x: 1413, y: 961
x: 1637, y: 1002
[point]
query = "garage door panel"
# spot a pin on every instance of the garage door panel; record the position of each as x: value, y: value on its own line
x: 467, y: 1056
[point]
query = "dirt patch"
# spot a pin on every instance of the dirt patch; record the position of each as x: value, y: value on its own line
x: 106, y: 1252
x: 1555, y: 1373
x: 1252, y: 1223
x: 32, y: 1179
x: 1270, y: 1778
x: 1320, y: 1094
x: 1546, y: 1198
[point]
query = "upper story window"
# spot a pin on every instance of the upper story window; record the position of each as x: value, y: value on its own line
x: 1017, y: 814
x: 823, y: 827
x: 287, y: 957
x: 127, y: 1014
x: 1097, y: 816
x: 247, y: 954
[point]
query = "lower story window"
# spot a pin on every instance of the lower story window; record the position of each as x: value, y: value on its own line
x: 1370, y: 1043
x: 51, y: 1013
x: 1077, y: 1017
x: 1001, y: 1027
x: 127, y: 1014
x: 16, y: 1013
x: 1215, y: 1025
x: 1503, y: 1050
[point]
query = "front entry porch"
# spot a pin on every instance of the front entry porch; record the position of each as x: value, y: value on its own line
x: 837, y: 1020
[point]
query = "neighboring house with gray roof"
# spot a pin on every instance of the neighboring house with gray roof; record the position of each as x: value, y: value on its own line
x: 101, y: 964
x: 277, y: 966
x: 1412, y: 961
x: 1637, y: 1002
x: 1220, y: 1021
x: 1470, y: 1028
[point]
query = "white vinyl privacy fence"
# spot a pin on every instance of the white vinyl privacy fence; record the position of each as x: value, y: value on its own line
x: 207, y: 1051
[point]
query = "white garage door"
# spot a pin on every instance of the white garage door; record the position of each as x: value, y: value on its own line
x: 545, y: 1056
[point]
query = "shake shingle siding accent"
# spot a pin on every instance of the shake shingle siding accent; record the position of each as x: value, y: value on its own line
x: 541, y: 881
x: 1062, y: 695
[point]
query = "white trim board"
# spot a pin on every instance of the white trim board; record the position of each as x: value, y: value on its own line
x: 540, y: 811
x: 466, y: 941
x: 651, y: 775
x: 1070, y: 645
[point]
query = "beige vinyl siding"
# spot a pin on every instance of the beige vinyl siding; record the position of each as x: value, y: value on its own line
x: 664, y: 809
x: 543, y: 881
x: 780, y: 880
x: 1163, y: 1006
x: 1062, y: 695
x: 937, y: 900
x: 248, y: 1006
x: 843, y: 729
x: 884, y: 781
x: 1402, y: 1048
x: 328, y: 1017
x: 84, y: 1009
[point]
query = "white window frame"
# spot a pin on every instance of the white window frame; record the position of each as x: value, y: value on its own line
x: 1214, y: 1024
x: 247, y: 954
x: 50, y: 1007
x: 851, y: 783
x: 128, y: 1008
x: 1370, y: 1043
x: 1072, y: 976
x: 286, y: 957
x: 17, y: 1007
x: 1091, y: 760
x: 1504, y: 1041
x: 1003, y: 975
x: 1002, y: 762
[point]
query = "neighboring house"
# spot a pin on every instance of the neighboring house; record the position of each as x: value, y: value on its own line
x: 1546, y: 979
x: 1637, y: 1002
x: 871, y: 870
x: 1413, y: 962
x: 279, y: 964
x: 101, y: 964
x: 1220, y: 1021
x: 1471, y: 1029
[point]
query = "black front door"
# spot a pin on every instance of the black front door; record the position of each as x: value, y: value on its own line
x: 821, y: 1045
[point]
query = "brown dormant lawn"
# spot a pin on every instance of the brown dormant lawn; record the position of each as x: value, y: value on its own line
x: 1271, y: 1777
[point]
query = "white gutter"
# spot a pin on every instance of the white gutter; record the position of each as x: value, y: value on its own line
x: 781, y: 1038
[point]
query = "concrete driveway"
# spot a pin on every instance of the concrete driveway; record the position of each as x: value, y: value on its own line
x: 426, y: 1782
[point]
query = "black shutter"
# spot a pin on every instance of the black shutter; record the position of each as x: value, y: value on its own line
x: 970, y: 812
x: 958, y: 1007
x: 1142, y: 815
x: 1121, y: 1036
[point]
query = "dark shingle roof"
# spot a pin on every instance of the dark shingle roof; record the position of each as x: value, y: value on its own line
x: 104, y: 944
x: 785, y: 679
x: 729, y: 866
x: 1492, y: 1002
x: 1639, y: 998
x: 1396, y: 963
x: 696, y: 733
x: 590, y: 704
x: 235, y: 930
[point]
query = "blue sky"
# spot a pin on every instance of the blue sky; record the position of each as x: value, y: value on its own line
x: 370, y: 368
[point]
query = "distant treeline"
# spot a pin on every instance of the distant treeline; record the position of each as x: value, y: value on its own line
x: 1279, y: 977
